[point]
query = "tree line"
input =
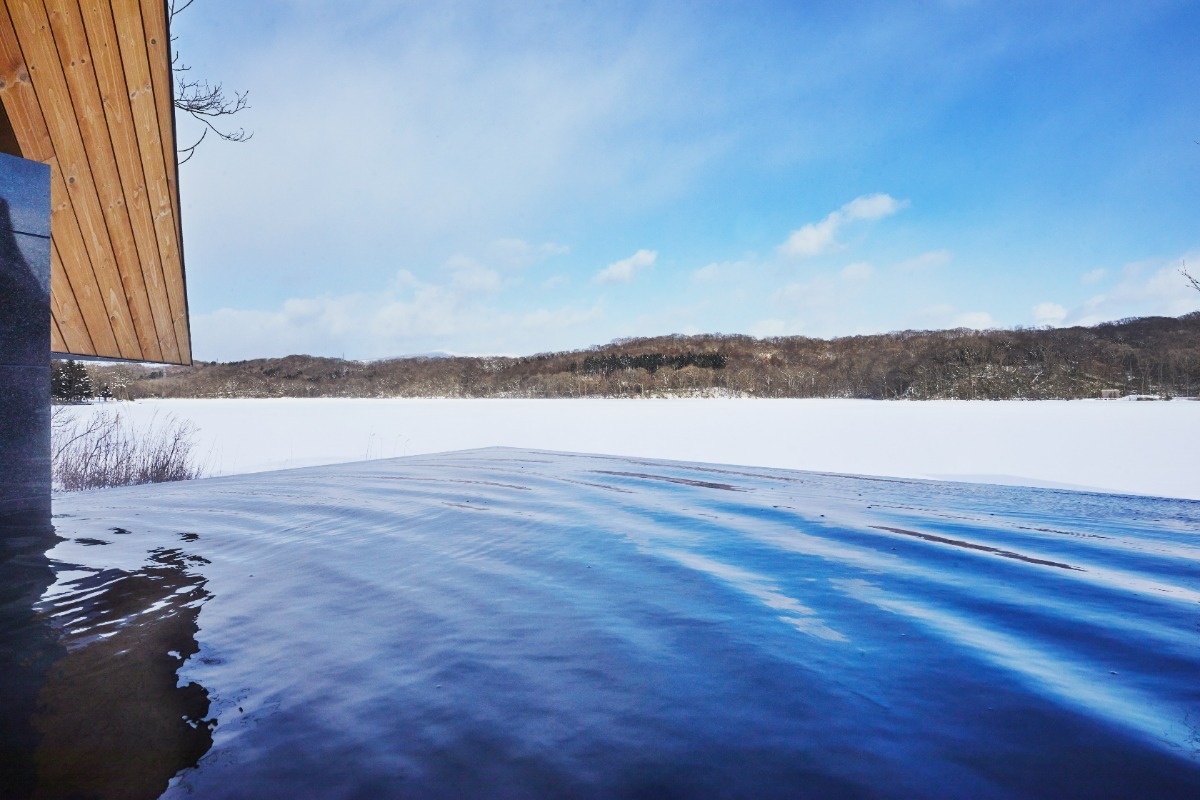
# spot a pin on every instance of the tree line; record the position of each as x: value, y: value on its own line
x: 1148, y: 356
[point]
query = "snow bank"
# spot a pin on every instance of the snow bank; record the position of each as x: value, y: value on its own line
x: 1136, y: 448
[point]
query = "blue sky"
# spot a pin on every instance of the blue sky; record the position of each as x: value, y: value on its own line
x: 524, y: 177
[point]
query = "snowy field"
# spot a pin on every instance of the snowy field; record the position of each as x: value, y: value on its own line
x: 1131, y: 447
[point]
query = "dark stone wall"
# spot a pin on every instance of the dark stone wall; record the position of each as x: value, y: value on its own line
x: 27, y: 643
x: 24, y: 342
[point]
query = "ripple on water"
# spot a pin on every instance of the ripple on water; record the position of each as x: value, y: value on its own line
x: 509, y: 623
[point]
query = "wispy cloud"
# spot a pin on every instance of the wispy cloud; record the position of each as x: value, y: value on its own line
x: 719, y: 270
x: 451, y: 133
x: 1049, y: 314
x: 517, y: 254
x: 1142, y: 289
x: 816, y: 238
x: 944, y: 315
x: 821, y: 305
x: 813, y: 239
x: 766, y: 328
x: 462, y: 312
x: 624, y: 270
x: 872, y: 206
x: 927, y: 260
x: 978, y: 320
x: 502, y: 135
x: 859, y: 271
x: 826, y: 292
x: 469, y: 275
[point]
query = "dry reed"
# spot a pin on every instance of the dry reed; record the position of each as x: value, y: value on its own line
x: 107, y: 449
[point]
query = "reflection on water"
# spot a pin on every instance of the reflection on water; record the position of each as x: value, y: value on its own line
x: 28, y: 646
x: 619, y: 628
x: 113, y: 723
x: 100, y: 713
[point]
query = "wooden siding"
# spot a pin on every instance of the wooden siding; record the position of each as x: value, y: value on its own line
x: 86, y: 88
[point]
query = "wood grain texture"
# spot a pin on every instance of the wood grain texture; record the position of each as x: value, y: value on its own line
x: 25, y: 115
x: 69, y: 325
x: 19, y: 97
x: 54, y: 98
x: 86, y: 86
x: 104, y: 312
x: 96, y: 18
x: 84, y: 95
x: 156, y: 29
x: 138, y: 72
x: 57, y: 345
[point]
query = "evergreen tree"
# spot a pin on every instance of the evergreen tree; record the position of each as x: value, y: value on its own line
x: 81, y: 387
x: 59, y: 382
x: 70, y: 382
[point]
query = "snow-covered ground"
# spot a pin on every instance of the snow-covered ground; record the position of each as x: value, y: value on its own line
x: 1137, y: 448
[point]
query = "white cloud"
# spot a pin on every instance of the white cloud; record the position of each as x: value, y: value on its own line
x: 1049, y: 314
x: 928, y: 260
x: 806, y: 294
x: 827, y: 292
x: 979, y: 320
x: 1094, y: 276
x: 1143, y: 290
x: 858, y: 271
x: 544, y: 319
x: 624, y: 270
x: 944, y: 315
x: 723, y: 269
x: 469, y: 275
x: 449, y: 132
x: 816, y: 308
x: 812, y: 239
x: 403, y: 279
x: 767, y: 328
x: 517, y: 254
x: 872, y: 206
x: 816, y: 238
x: 459, y: 314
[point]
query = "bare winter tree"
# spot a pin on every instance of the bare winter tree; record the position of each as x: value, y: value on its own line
x: 204, y: 101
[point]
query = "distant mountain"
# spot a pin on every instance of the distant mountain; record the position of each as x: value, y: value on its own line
x: 1149, y: 356
x: 433, y: 354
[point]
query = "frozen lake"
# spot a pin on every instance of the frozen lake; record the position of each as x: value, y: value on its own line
x: 516, y: 623
x: 1131, y: 447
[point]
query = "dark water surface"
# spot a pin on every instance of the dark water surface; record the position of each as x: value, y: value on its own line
x: 508, y: 623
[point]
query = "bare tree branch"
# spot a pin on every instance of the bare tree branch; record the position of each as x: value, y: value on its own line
x: 205, y: 101
x: 191, y: 151
x: 1190, y: 279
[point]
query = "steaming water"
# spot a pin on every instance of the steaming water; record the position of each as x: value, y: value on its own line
x: 509, y: 623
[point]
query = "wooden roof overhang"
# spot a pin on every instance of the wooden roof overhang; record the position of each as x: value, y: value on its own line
x: 86, y: 88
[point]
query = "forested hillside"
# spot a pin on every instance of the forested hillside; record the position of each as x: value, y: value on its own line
x: 1150, y: 355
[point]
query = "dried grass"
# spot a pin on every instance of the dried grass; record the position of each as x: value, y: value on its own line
x: 107, y: 449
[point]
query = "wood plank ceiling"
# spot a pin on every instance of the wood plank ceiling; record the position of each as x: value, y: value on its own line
x: 86, y: 88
